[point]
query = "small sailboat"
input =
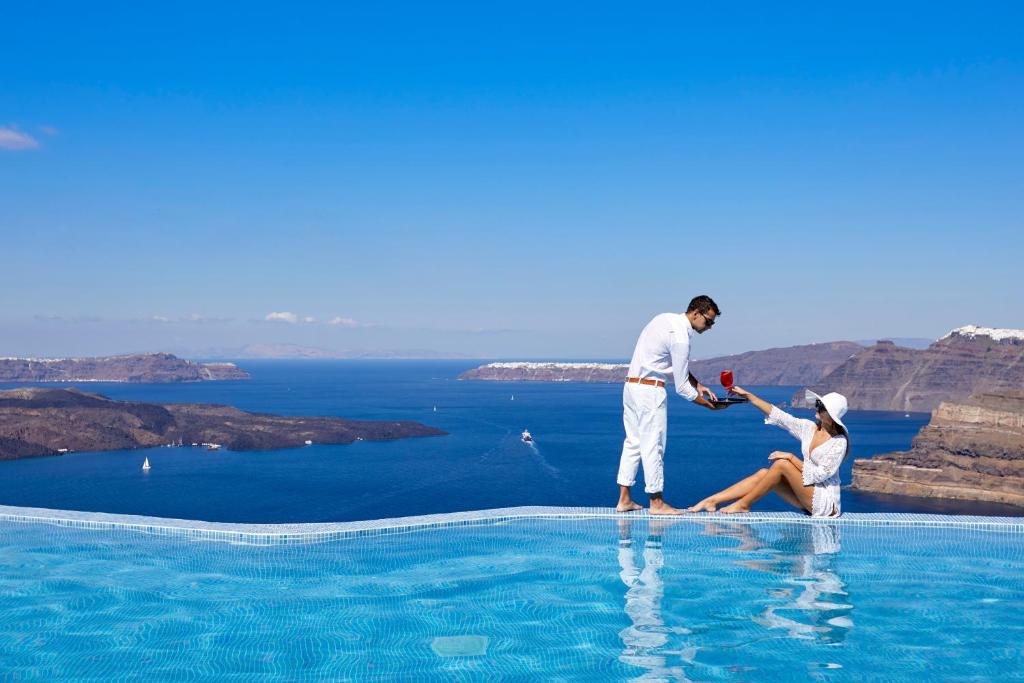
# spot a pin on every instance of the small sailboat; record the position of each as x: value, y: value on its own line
x: 526, y: 436
x: 513, y: 397
x: 145, y: 465
x: 435, y: 409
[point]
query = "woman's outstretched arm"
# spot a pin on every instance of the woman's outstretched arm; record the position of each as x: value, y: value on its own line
x: 776, y: 416
x: 762, y: 405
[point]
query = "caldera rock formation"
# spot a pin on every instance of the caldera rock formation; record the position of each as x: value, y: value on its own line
x: 972, y: 449
x: 36, y: 422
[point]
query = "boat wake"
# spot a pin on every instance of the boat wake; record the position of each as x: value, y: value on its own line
x: 552, y: 470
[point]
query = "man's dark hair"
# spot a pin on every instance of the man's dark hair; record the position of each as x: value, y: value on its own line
x: 703, y: 304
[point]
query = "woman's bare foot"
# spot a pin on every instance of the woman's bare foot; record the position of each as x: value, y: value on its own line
x: 663, y: 508
x: 628, y: 506
x: 709, y: 504
x: 735, y: 509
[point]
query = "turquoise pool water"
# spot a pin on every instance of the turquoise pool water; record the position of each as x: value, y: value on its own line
x: 518, y: 599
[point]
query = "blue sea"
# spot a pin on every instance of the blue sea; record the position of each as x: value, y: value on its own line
x: 482, y: 463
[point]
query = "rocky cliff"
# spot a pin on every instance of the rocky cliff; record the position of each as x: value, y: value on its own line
x: 967, y: 360
x: 148, y: 367
x: 794, y: 365
x: 36, y: 422
x: 781, y: 366
x: 972, y: 449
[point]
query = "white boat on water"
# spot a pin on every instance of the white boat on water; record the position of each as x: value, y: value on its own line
x: 145, y: 464
x: 527, y: 437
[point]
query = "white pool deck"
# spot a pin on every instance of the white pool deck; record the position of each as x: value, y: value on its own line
x: 277, y: 534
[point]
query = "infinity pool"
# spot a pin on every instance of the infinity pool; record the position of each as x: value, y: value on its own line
x: 508, y: 597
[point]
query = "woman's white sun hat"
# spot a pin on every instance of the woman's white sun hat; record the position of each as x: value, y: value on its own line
x: 835, y: 406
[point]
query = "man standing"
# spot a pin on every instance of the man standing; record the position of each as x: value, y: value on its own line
x: 663, y: 348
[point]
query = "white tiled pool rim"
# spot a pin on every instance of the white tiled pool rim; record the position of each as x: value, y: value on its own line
x: 276, y: 534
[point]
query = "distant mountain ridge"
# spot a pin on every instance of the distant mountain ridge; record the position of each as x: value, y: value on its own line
x: 780, y: 366
x: 908, y: 342
x: 526, y: 371
x: 795, y: 365
x: 297, y: 351
x: 143, y: 367
x: 966, y: 361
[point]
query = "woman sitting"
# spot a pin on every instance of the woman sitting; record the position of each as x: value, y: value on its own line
x: 811, y: 484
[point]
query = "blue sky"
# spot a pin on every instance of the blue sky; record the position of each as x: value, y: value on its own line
x: 505, y: 179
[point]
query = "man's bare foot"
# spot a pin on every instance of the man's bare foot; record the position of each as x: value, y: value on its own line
x: 706, y: 505
x: 628, y: 506
x: 664, y: 509
x: 735, y: 509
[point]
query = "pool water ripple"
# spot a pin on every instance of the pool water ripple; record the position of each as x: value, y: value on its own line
x: 526, y: 599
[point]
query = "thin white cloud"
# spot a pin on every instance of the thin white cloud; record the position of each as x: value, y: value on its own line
x: 203, y: 319
x: 289, y: 317
x: 13, y: 139
x: 339, y: 321
x: 282, y: 317
x: 195, y: 318
x: 48, y: 130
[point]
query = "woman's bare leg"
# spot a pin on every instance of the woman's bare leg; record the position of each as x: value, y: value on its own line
x: 785, y: 492
x: 781, y: 471
x: 737, y: 490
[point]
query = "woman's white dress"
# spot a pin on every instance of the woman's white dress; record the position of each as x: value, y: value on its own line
x: 821, y: 466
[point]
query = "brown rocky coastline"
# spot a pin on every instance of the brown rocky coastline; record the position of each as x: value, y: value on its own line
x: 971, y: 449
x: 37, y: 422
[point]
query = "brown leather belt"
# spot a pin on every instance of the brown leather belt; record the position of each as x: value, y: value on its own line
x: 648, y: 382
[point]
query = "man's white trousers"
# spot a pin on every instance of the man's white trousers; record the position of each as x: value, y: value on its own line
x: 645, y: 417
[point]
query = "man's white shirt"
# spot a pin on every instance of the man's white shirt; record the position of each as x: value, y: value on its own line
x: 663, y: 349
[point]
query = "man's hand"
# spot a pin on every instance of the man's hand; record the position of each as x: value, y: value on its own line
x: 705, y: 393
x: 701, y: 401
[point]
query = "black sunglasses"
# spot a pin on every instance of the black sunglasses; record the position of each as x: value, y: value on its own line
x: 710, y: 322
x: 818, y: 405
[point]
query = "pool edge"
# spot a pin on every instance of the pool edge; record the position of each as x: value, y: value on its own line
x: 274, y: 534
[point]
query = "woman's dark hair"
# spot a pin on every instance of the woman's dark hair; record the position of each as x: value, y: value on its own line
x: 829, y: 424
x: 831, y: 427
